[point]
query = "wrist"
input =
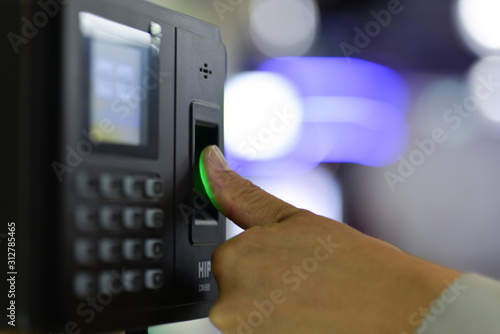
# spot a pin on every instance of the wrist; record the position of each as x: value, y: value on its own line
x: 426, y: 282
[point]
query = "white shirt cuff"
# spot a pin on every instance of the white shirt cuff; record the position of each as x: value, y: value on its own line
x: 470, y: 305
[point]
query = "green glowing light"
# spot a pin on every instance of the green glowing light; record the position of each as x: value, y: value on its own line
x: 204, y: 180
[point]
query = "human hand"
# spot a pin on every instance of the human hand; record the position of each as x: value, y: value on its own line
x: 292, y: 271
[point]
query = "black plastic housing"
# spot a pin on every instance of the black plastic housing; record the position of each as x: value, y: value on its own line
x: 45, y: 185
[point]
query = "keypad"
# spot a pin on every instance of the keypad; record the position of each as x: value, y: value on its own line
x: 110, y: 218
x: 133, y: 249
x: 86, y: 219
x: 132, y: 280
x: 111, y: 281
x: 133, y: 218
x: 153, y: 279
x: 109, y: 186
x: 86, y: 252
x: 86, y: 185
x: 133, y: 186
x: 154, y: 218
x: 85, y: 284
x: 153, y: 188
x: 110, y: 250
x: 120, y: 221
x: 118, y: 186
x: 154, y: 249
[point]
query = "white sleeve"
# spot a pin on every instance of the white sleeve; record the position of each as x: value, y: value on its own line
x: 470, y: 305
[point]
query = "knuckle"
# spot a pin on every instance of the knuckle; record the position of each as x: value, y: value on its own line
x: 250, y: 234
x: 218, y: 253
x: 218, y: 261
x: 230, y: 258
x: 219, y: 317
x: 246, y: 243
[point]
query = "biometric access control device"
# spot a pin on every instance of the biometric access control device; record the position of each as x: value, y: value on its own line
x: 107, y: 105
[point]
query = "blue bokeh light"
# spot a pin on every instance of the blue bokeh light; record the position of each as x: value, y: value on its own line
x: 322, y: 76
x: 354, y: 111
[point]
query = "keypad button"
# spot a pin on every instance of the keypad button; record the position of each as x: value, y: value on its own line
x: 132, y: 280
x: 110, y: 250
x: 133, y: 249
x: 133, y: 218
x: 85, y: 251
x: 86, y: 219
x: 110, y: 282
x: 133, y: 186
x: 84, y: 285
x: 110, y: 218
x: 86, y: 184
x: 153, y: 188
x: 153, y: 279
x: 153, y: 248
x: 154, y: 218
x: 109, y: 186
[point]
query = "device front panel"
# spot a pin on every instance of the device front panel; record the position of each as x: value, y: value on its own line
x: 117, y: 168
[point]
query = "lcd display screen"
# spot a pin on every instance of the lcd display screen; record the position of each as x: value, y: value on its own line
x: 118, y: 100
x: 121, y: 104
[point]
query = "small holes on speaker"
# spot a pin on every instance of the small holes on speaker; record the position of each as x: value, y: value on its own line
x: 205, y: 71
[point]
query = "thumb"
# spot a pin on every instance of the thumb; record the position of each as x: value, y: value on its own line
x: 238, y: 199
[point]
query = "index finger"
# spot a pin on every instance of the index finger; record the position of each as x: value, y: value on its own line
x: 238, y: 199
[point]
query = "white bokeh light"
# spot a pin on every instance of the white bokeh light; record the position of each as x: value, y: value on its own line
x: 483, y: 79
x: 317, y: 191
x: 283, y: 27
x: 479, y: 22
x: 263, y: 116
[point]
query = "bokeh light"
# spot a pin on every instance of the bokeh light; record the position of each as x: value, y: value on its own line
x: 317, y: 191
x: 263, y: 114
x: 484, y: 85
x: 354, y: 129
x: 479, y: 23
x: 337, y: 76
x: 283, y: 27
x: 446, y: 211
x: 354, y: 110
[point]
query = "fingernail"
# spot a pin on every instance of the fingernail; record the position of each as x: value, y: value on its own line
x: 216, y: 159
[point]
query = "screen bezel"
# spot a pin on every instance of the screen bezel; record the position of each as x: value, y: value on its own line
x: 89, y: 25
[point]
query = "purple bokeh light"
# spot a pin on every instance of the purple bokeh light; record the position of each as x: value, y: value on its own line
x: 354, y: 111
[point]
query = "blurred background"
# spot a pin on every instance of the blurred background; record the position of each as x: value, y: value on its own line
x: 381, y: 114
